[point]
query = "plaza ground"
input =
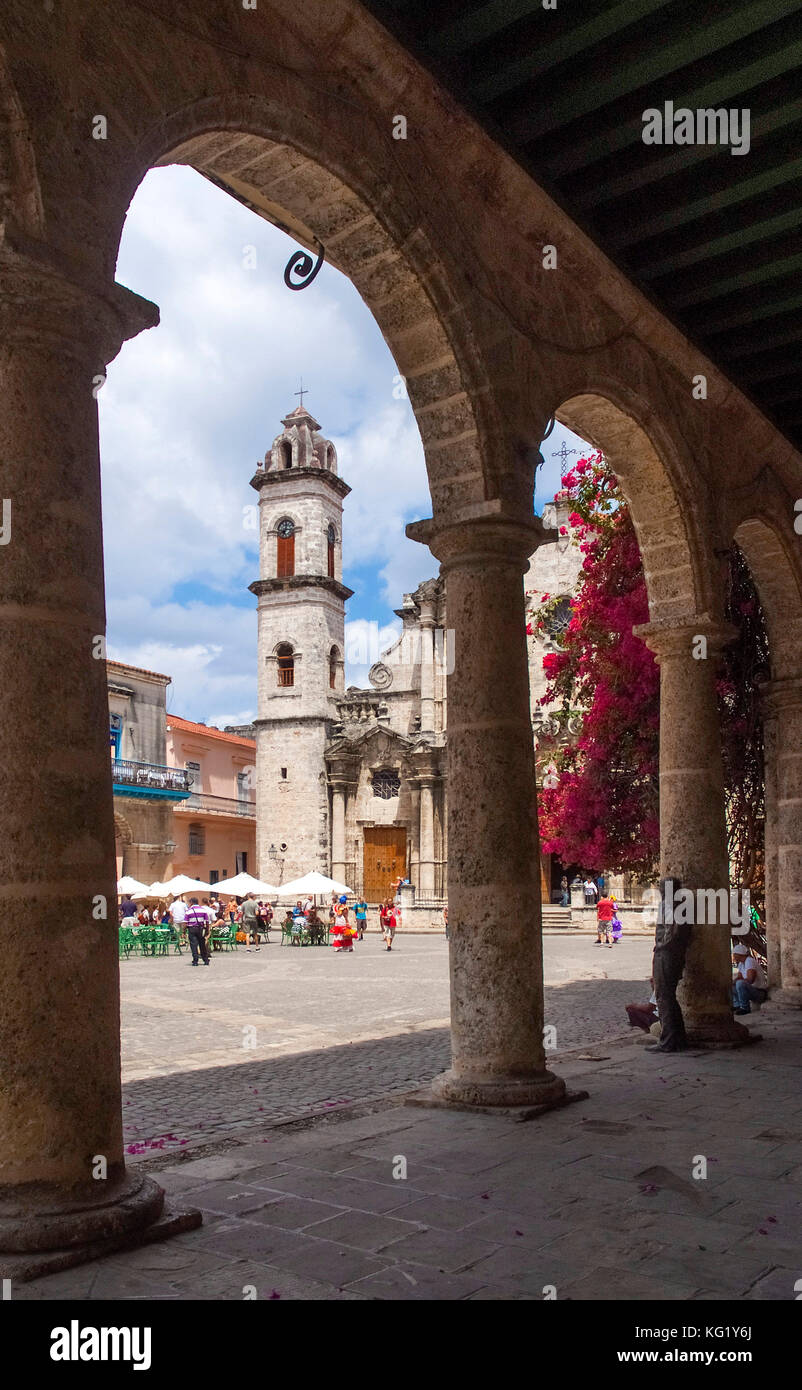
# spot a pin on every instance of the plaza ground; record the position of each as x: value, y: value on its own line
x: 291, y: 1148
x: 280, y: 1034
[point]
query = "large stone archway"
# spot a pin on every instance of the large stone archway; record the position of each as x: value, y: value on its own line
x: 676, y: 531
x: 773, y: 559
x: 442, y: 233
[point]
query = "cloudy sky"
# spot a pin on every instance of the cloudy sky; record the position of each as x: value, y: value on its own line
x: 188, y: 409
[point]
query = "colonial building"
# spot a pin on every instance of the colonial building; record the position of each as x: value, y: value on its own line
x: 352, y: 782
x: 146, y: 789
x: 214, y: 828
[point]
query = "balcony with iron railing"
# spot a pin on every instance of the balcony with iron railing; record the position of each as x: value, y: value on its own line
x: 149, y: 780
x: 220, y: 805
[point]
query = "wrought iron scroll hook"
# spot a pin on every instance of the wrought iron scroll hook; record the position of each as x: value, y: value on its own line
x: 301, y: 264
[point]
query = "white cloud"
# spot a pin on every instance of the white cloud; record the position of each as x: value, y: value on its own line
x: 188, y: 409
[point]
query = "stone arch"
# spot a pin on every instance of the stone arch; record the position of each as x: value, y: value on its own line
x: 777, y: 579
x: 310, y: 180
x: 673, y: 523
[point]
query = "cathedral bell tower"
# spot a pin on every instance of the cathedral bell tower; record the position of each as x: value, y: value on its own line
x: 301, y: 644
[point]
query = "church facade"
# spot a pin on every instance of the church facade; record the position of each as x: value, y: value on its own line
x: 352, y: 782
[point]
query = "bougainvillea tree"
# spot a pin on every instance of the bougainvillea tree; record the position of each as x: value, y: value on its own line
x: 599, y: 808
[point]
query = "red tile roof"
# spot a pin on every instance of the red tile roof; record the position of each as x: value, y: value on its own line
x: 174, y: 721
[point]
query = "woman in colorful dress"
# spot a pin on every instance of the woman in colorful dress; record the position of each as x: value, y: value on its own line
x: 341, y: 933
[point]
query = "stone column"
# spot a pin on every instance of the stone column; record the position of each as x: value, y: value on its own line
x: 783, y: 706
x: 771, y: 839
x: 60, y: 1101
x: 693, y: 837
x: 494, y: 882
x: 338, y: 793
x: 426, y: 864
x: 427, y: 622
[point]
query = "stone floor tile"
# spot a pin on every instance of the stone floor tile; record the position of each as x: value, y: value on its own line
x: 688, y: 1232
x: 514, y: 1228
x: 607, y: 1284
x: 732, y: 1273
x: 447, y: 1250
x: 327, y: 1262
x: 226, y: 1198
x: 782, y: 1284
x: 412, y: 1283
x: 294, y: 1213
x: 364, y: 1230
x: 237, y: 1279
x: 245, y: 1240
x: 444, y: 1213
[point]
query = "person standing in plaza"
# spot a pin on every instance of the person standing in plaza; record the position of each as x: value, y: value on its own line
x: 591, y: 891
x: 197, y: 923
x: 250, y: 921
x: 445, y: 921
x: 390, y: 924
x: 341, y: 933
x: 361, y: 914
x: 605, y: 912
x: 128, y: 912
x: 264, y: 917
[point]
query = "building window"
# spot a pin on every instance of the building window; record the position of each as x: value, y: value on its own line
x: 559, y: 617
x: 332, y: 538
x: 284, y: 774
x: 286, y: 665
x: 197, y: 839
x: 386, y: 784
x: 115, y: 734
x: 214, y: 875
x: 286, y: 453
x: 243, y: 785
x: 334, y: 657
x: 194, y: 770
x: 242, y: 861
x: 285, y: 558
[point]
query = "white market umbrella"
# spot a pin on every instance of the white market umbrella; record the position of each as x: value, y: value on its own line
x: 156, y: 890
x: 245, y: 883
x: 183, y: 884
x: 129, y: 885
x: 311, y: 885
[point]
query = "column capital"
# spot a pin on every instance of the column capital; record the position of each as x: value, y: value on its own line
x: 48, y: 303
x: 779, y: 695
x: 676, y: 640
x: 482, y: 533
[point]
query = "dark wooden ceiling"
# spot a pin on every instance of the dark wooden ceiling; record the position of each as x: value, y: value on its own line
x: 712, y: 237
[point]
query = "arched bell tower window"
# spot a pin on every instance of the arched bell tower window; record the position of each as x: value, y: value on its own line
x: 285, y: 661
x: 285, y: 449
x: 332, y: 539
x: 334, y: 661
x: 285, y: 559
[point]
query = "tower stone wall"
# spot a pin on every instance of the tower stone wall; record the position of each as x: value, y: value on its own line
x: 301, y: 645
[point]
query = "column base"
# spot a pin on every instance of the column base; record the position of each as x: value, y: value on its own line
x: 718, y: 1032
x: 543, y: 1090
x: 44, y: 1217
x: 35, y: 1264
x: 786, y: 998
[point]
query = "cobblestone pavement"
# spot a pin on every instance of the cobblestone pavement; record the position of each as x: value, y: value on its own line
x: 604, y: 1199
x: 208, y: 1053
